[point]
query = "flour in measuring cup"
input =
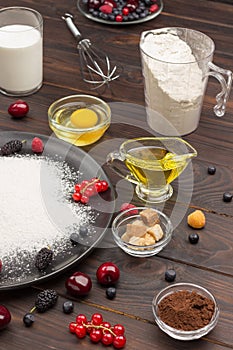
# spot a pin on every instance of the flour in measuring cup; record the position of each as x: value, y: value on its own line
x: 174, y: 86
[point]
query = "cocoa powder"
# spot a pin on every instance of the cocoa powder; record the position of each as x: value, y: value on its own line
x: 185, y: 310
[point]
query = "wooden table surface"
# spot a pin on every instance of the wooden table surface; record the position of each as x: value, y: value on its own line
x: 210, y: 262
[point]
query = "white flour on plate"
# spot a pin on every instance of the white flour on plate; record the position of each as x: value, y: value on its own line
x: 35, y: 210
x: 173, y: 84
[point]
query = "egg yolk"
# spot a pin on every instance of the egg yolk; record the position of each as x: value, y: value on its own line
x: 84, y: 118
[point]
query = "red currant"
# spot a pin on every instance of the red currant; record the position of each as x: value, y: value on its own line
x: 119, y: 341
x: 119, y: 18
x: 126, y: 206
x: 104, y: 185
x: 81, y: 318
x: 76, y: 196
x: 80, y: 331
x: 90, y: 191
x: 89, y: 327
x: 84, y: 183
x: 84, y: 199
x: 72, y: 327
x: 107, y: 338
x: 125, y: 11
x: 97, y: 319
x: 96, y: 335
x: 154, y: 8
x: 98, y: 187
x: 118, y: 329
x: 106, y: 325
x: 77, y: 187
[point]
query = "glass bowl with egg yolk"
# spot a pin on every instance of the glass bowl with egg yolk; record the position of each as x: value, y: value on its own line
x: 79, y: 119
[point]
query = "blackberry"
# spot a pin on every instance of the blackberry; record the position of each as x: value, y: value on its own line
x: 43, y: 258
x: 45, y: 300
x: 11, y: 147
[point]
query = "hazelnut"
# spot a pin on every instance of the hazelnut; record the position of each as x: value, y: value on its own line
x: 196, y: 219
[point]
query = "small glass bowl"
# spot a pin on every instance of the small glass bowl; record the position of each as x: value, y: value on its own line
x: 180, y: 334
x: 126, y: 217
x: 60, y: 111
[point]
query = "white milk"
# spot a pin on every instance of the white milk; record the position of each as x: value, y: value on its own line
x: 20, y: 58
x: 174, y: 85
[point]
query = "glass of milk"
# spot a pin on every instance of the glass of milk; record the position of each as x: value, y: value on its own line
x: 176, y: 64
x: 21, y: 51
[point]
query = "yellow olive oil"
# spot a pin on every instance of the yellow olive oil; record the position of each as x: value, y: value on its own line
x: 154, y: 166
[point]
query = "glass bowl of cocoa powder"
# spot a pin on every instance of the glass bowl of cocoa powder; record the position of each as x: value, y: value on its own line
x: 185, y: 311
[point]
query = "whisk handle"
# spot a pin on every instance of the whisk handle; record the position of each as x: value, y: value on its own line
x: 68, y: 18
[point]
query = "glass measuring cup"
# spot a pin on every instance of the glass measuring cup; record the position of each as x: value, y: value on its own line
x: 152, y: 163
x: 176, y: 64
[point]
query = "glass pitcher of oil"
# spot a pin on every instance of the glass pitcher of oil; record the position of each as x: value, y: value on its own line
x: 152, y: 163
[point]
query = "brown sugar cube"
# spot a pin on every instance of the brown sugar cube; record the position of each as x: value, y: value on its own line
x: 149, y: 217
x: 125, y: 237
x: 156, y: 231
x: 196, y: 219
x: 136, y: 228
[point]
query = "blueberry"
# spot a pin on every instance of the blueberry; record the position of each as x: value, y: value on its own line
x: 74, y: 238
x: 68, y: 307
x: 138, y: 10
x: 28, y: 319
x: 111, y: 292
x: 83, y: 230
x: 227, y: 197
x: 103, y: 15
x: 95, y: 13
x: 211, y: 169
x: 125, y: 18
x: 111, y: 17
x: 135, y: 15
x: 170, y: 275
x: 193, y: 238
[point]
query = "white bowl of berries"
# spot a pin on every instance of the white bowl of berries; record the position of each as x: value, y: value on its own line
x: 141, y: 231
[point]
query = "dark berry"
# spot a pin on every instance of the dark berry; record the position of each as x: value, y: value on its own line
x: 111, y: 292
x: 74, y: 238
x: 227, y: 197
x: 68, y: 307
x: 193, y: 238
x: 28, y: 319
x: 45, y: 300
x: 11, y: 147
x: 78, y: 284
x: 18, y: 109
x: 43, y: 258
x: 83, y: 230
x: 170, y: 275
x: 111, y: 17
x: 211, y: 169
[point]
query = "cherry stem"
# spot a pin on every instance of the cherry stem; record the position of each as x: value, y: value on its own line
x: 33, y: 309
x: 89, y: 184
x: 99, y: 327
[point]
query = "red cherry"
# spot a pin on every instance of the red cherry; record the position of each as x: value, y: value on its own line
x: 96, y: 335
x: 5, y: 317
x: 94, y: 4
x: 125, y: 11
x: 119, y: 18
x: 107, y: 273
x: 80, y: 331
x: 18, y: 109
x: 78, y: 284
x: 76, y: 196
x: 119, y: 341
x: 97, y: 319
x: 72, y: 327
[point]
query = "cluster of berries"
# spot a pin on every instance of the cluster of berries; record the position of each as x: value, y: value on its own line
x: 121, y: 10
x: 88, y: 188
x: 98, y: 330
x: 15, y: 146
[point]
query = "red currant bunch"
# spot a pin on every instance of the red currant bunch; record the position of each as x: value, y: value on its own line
x: 88, y: 188
x: 98, y: 330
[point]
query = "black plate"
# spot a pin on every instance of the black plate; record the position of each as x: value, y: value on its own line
x: 101, y: 208
x: 84, y: 10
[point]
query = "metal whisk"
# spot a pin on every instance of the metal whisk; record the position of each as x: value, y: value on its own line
x: 95, y: 66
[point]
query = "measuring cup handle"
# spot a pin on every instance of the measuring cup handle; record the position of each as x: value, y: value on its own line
x: 223, y: 95
x: 111, y: 160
